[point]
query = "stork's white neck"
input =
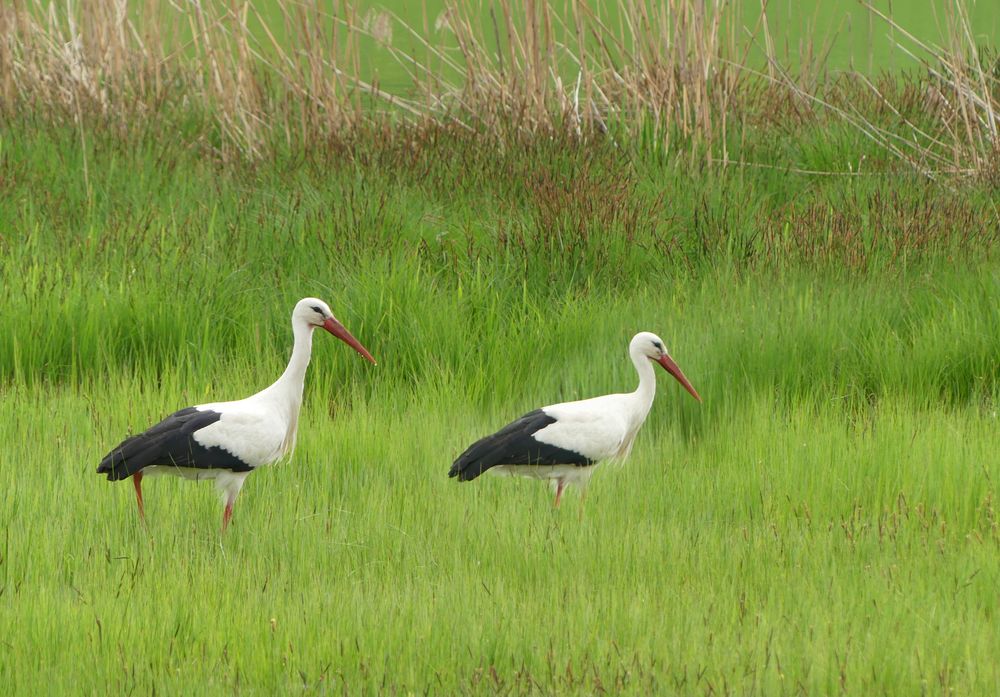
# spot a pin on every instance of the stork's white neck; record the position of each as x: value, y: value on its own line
x: 646, y: 390
x: 286, y: 392
x: 289, y: 385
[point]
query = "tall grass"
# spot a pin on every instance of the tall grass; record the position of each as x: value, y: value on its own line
x: 157, y: 230
x: 550, y: 71
x: 244, y: 79
x: 962, y: 98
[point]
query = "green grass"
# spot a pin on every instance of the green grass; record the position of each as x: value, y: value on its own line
x: 787, y: 533
x: 823, y: 522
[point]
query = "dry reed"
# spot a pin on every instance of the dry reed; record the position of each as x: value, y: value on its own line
x: 673, y: 75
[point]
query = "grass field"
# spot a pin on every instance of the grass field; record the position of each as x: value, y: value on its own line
x: 824, y: 522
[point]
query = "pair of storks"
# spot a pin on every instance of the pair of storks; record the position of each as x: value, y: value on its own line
x: 226, y: 441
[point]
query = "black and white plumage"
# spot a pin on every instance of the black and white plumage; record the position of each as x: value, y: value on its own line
x: 226, y: 441
x: 563, y: 442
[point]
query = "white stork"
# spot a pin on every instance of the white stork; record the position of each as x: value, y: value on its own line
x: 226, y: 441
x: 563, y: 442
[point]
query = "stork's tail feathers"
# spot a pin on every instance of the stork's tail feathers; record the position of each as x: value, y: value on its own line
x: 481, y: 455
x: 107, y: 467
x: 467, y: 468
x: 116, y: 464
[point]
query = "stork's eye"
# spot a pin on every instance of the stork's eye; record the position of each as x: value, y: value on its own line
x: 317, y: 308
x: 658, y: 345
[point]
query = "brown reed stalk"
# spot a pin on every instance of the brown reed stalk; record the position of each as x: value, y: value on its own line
x: 671, y: 73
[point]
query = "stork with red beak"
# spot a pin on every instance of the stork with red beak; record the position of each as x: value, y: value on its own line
x: 563, y: 443
x: 226, y: 441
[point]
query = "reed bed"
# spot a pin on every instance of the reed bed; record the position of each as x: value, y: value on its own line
x: 244, y: 79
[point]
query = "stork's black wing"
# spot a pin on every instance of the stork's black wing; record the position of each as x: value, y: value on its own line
x: 514, y: 444
x: 170, y: 442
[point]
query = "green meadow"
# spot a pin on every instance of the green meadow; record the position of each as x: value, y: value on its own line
x: 825, y: 521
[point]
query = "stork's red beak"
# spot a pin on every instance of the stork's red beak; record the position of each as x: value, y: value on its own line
x: 671, y: 367
x: 339, y: 331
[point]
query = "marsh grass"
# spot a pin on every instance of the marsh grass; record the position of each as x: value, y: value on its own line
x: 172, y: 182
x: 123, y: 263
x: 824, y: 520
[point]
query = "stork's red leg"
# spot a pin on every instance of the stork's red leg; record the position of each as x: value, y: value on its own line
x: 559, y: 489
x: 137, y: 482
x: 227, y: 514
x: 232, y: 490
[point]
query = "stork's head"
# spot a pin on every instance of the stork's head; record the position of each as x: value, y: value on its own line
x: 651, y: 346
x: 316, y: 313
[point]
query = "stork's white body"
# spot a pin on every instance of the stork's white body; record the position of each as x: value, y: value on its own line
x: 603, y: 427
x: 258, y: 430
x: 600, y: 428
x: 226, y: 441
x: 564, y: 442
